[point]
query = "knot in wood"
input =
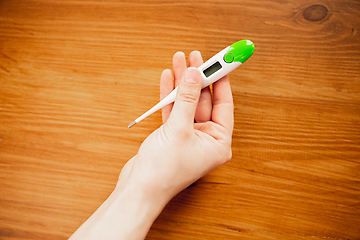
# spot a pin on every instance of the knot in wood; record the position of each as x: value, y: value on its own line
x: 315, y: 12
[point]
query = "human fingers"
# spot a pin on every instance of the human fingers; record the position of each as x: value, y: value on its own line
x: 204, y: 109
x: 195, y: 59
x: 166, y: 87
x: 182, y: 115
x: 179, y: 66
x: 223, y: 108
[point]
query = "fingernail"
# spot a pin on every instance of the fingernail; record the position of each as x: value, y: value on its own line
x: 192, y: 75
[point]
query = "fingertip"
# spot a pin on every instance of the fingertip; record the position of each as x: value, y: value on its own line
x: 179, y: 66
x: 166, y: 74
x: 195, y: 59
x: 195, y: 53
x: 179, y: 54
x: 166, y: 79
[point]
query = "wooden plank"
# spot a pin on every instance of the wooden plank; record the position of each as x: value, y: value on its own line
x: 73, y: 74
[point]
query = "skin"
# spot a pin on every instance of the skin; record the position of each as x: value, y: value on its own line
x: 195, y: 138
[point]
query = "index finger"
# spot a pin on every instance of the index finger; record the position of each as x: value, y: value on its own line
x: 223, y: 109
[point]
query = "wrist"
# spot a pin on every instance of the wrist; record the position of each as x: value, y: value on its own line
x: 128, y: 213
x: 147, y: 182
x: 138, y: 199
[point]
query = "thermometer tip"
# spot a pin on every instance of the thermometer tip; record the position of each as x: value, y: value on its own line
x: 132, y: 124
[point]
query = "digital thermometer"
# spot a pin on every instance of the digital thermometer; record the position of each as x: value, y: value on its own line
x: 212, y: 70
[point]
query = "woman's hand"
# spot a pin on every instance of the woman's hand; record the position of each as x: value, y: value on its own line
x: 194, y: 139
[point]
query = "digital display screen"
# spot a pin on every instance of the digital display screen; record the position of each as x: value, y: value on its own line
x: 212, y: 69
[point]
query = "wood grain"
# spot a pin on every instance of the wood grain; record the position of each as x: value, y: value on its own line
x: 73, y: 74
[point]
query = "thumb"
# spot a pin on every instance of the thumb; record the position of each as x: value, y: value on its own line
x: 187, y: 97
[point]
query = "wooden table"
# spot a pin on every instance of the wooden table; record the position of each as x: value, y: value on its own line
x: 73, y: 74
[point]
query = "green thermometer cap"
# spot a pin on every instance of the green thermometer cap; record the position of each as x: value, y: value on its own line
x: 239, y: 51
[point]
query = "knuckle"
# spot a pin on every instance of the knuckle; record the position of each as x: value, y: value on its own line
x: 229, y: 156
x: 226, y: 157
x: 177, y: 131
x: 184, y: 135
x: 188, y: 97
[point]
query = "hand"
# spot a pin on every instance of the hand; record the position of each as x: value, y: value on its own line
x: 171, y: 158
x: 181, y: 151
